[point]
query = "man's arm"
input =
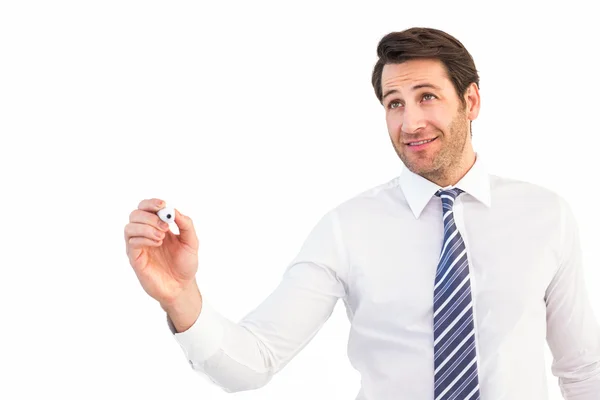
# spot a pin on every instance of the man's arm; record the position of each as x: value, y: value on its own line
x: 245, y: 355
x: 573, y: 333
x: 184, y: 311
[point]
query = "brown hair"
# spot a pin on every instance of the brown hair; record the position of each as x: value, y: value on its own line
x: 397, y: 47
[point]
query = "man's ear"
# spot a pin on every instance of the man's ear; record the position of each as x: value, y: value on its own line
x: 473, y: 101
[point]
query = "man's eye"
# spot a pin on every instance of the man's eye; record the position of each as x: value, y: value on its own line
x: 428, y: 95
x: 394, y: 104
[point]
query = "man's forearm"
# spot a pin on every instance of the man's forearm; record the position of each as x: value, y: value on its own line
x: 184, y: 310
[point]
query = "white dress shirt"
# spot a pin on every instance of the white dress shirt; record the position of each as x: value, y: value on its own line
x: 378, y: 252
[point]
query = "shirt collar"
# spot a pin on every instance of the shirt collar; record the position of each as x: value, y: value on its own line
x: 419, y: 191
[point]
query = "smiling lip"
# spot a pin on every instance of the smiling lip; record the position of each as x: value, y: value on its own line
x: 420, y: 146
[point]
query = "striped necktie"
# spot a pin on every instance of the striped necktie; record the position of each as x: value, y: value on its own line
x: 455, y: 355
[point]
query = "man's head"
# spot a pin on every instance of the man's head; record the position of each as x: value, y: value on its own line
x: 428, y: 84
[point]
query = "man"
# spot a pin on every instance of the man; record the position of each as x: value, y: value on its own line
x: 452, y: 278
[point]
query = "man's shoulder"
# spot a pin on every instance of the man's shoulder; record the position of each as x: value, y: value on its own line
x: 378, y: 191
x: 521, y: 190
x: 372, y: 197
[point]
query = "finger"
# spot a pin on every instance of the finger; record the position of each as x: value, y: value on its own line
x: 135, y: 243
x: 133, y: 229
x: 187, y: 233
x: 149, y: 218
x: 151, y: 205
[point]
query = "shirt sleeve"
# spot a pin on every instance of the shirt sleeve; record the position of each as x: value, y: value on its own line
x: 245, y: 355
x: 573, y: 334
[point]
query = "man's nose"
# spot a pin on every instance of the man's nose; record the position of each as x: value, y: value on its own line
x: 413, y: 119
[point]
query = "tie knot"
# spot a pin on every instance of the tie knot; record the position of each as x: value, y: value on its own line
x: 452, y: 193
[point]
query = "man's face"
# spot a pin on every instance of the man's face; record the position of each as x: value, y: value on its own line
x: 421, y: 104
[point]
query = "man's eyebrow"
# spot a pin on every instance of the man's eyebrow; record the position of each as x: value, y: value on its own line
x: 416, y: 87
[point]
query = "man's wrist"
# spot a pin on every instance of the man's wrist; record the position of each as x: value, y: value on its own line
x: 185, y: 309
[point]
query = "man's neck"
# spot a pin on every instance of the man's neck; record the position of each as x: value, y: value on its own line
x: 456, y: 172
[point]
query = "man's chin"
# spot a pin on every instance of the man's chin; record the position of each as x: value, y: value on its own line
x: 420, y: 168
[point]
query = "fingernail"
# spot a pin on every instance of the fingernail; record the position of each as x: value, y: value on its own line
x: 160, y: 203
x: 158, y: 234
x: 163, y: 225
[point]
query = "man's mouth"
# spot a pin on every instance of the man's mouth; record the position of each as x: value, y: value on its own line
x: 420, y: 143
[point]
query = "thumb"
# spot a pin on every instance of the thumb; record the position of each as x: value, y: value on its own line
x: 187, y: 233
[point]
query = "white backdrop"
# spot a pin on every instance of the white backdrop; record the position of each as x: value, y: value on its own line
x: 254, y: 118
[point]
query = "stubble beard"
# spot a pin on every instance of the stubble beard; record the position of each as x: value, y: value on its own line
x: 440, y: 166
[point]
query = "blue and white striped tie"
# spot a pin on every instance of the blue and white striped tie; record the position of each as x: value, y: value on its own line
x: 455, y: 354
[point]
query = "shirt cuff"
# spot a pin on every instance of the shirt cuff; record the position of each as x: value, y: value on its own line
x: 203, y: 338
